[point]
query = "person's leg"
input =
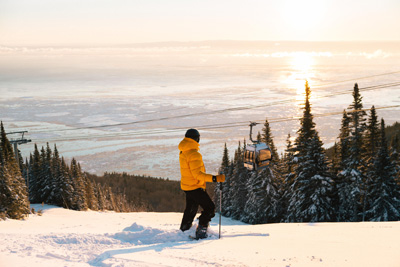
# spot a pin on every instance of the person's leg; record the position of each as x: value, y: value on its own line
x: 208, y: 212
x: 208, y: 207
x: 190, y: 211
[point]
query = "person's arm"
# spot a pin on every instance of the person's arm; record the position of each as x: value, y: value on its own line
x: 196, y: 167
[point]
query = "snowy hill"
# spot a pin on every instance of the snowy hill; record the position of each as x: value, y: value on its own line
x: 70, y: 238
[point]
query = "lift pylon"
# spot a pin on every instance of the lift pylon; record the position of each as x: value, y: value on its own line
x: 18, y: 141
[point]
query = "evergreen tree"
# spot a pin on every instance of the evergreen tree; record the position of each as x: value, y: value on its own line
x: 287, y: 185
x: 110, y: 200
x: 342, y: 185
x: 312, y: 188
x: 46, y: 176
x: 67, y: 188
x: 227, y: 191
x: 225, y: 159
x: 261, y: 205
x: 14, y: 202
x: 91, y: 199
x: 334, y: 165
x: 334, y: 169
x: 259, y: 138
x: 239, y: 191
x: 79, y: 198
x: 223, y: 169
x: 352, y: 175
x: 55, y: 196
x: 35, y: 176
x: 371, y: 145
x: 372, y: 135
x: 395, y: 143
x: 101, y: 200
x: 344, y: 140
x: 384, y: 195
x: 395, y: 155
x: 267, y: 138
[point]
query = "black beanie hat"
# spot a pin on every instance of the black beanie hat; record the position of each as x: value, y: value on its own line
x: 193, y: 134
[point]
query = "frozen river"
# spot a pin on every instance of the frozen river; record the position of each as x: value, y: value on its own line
x: 126, y: 108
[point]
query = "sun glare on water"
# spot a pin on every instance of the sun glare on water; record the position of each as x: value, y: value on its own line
x: 301, y: 64
x: 303, y: 21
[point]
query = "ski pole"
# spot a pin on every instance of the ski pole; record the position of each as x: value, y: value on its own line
x: 220, y: 209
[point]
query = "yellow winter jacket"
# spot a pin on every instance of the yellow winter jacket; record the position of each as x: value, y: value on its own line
x: 193, y: 174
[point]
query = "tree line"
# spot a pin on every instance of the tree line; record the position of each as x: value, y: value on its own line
x: 52, y: 181
x: 154, y: 194
x: 360, y: 181
x: 47, y: 178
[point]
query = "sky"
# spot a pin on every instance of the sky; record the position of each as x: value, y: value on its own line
x: 103, y: 22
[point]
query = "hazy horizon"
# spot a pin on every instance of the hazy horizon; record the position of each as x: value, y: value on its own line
x: 219, y: 42
x: 99, y: 22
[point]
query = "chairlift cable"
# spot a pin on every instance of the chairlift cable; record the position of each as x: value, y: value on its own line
x: 204, y: 127
x: 369, y: 88
x: 356, y: 79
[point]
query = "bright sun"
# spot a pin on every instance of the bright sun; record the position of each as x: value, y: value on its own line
x: 302, y: 64
x: 303, y: 15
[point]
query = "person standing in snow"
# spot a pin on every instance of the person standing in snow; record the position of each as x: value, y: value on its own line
x: 193, y: 183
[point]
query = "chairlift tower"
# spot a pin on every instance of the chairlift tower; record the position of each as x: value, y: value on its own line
x: 18, y: 141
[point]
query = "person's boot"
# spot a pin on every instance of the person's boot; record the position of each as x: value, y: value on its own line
x: 201, y: 232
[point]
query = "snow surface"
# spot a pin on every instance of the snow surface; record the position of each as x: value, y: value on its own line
x: 63, y: 237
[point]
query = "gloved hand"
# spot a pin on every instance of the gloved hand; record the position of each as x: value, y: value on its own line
x: 221, y: 178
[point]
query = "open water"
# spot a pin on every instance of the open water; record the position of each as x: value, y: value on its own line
x: 126, y: 108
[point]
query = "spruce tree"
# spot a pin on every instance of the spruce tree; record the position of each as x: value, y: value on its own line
x: 259, y: 137
x: 395, y: 155
x: 312, y: 188
x: 225, y: 159
x: 252, y: 212
x: 371, y: 145
x: 223, y: 169
x: 101, y: 200
x: 35, y: 175
x: 262, y: 199
x: 342, y: 185
x: 56, y: 186
x: 344, y: 140
x: 372, y: 135
x: 68, y: 192
x: 14, y: 202
x: 287, y: 185
x: 267, y: 138
x: 91, y: 200
x: 352, y: 175
x: 79, y: 198
x: 384, y: 195
x: 46, y: 178
x: 238, y: 192
x: 110, y: 200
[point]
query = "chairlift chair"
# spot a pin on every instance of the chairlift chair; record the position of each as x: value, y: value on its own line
x: 257, y: 156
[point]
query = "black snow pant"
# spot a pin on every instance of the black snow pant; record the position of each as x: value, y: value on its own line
x: 195, y: 198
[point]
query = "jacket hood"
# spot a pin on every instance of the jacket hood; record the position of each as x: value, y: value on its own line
x: 188, y: 144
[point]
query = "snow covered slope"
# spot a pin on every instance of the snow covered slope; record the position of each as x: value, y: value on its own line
x: 70, y: 238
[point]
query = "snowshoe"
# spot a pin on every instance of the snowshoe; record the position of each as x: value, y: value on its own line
x: 201, y: 232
